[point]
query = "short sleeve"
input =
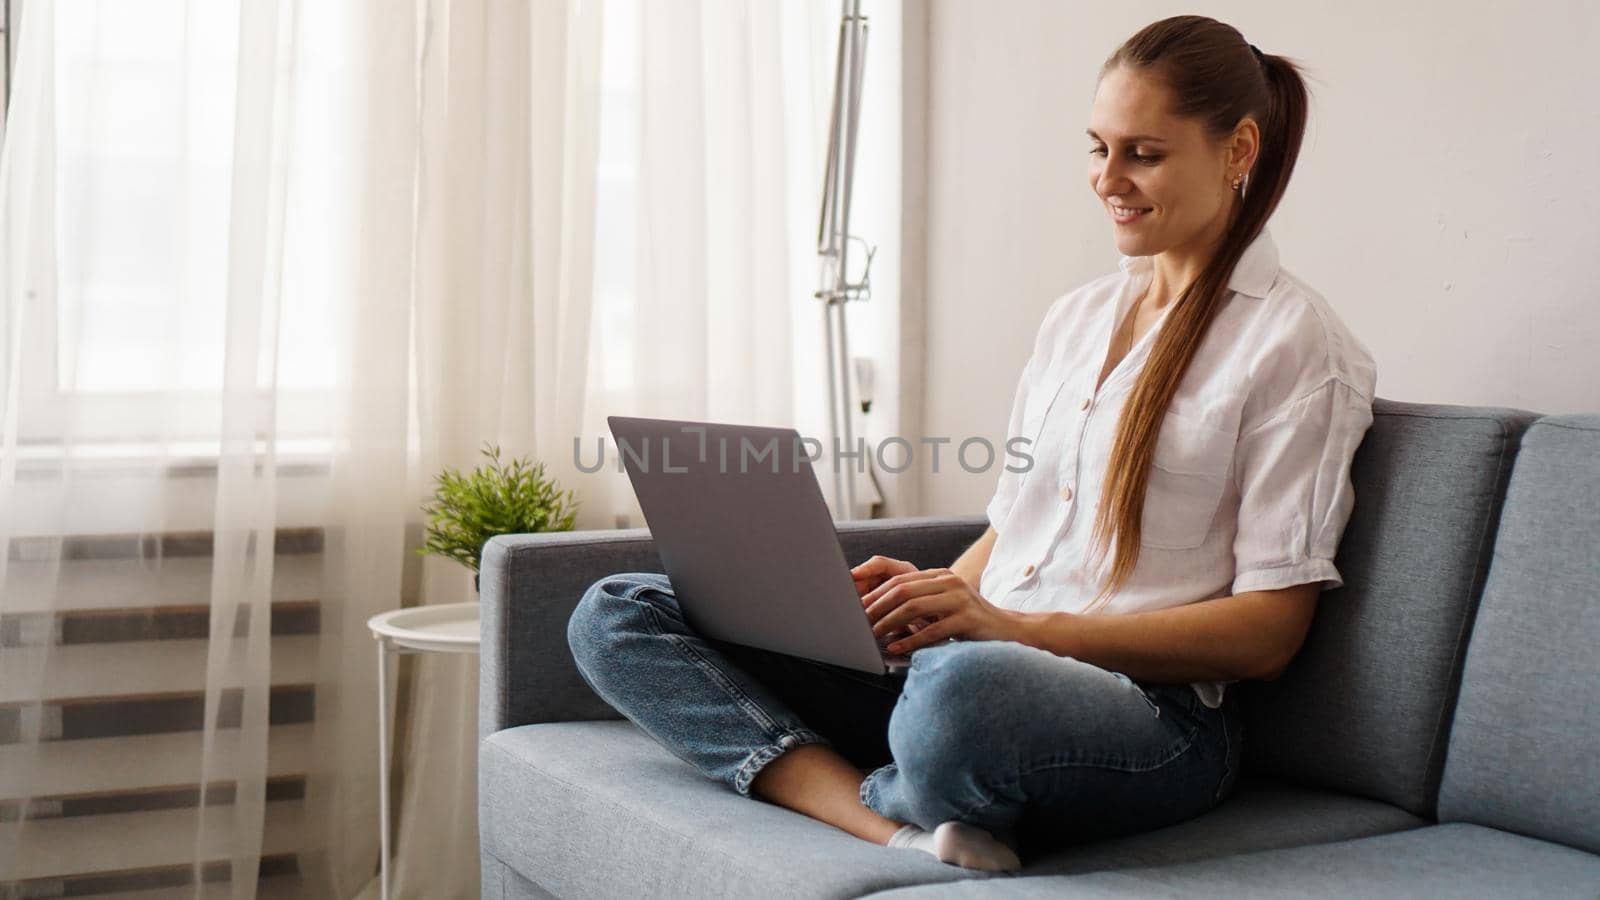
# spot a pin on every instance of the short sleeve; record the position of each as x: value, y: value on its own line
x: 1005, y: 492
x: 1295, y: 492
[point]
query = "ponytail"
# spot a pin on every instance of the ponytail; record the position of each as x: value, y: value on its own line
x: 1215, y: 76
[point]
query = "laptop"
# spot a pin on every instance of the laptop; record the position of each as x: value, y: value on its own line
x: 747, y: 540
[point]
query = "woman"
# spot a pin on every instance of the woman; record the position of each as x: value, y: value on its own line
x: 1192, y: 420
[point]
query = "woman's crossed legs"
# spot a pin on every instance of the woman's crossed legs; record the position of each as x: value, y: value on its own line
x: 1035, y: 748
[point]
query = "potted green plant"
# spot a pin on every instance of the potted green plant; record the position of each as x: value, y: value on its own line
x: 498, y: 497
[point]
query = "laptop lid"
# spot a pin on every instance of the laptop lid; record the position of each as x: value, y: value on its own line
x: 746, y: 537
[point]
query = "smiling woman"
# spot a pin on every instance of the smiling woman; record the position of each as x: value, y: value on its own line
x: 1197, y: 411
x: 1222, y: 399
x: 1184, y: 111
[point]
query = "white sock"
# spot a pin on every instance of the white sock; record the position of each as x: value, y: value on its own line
x: 960, y: 844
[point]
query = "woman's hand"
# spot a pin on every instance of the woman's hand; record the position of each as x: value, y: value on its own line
x: 941, y: 599
x: 876, y: 571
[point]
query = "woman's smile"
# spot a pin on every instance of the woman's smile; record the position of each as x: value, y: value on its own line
x: 1128, y: 215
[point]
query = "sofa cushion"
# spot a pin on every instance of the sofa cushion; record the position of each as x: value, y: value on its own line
x: 1365, y: 705
x: 1261, y: 814
x: 501, y: 882
x: 598, y: 809
x: 1458, y: 861
x: 1525, y: 746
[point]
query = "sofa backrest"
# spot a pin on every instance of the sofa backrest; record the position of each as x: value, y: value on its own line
x: 1365, y: 705
x: 1525, y: 744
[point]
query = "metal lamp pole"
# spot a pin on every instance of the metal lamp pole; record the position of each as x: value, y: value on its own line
x: 833, y: 238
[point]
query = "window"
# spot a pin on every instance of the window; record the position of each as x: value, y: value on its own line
x: 144, y: 143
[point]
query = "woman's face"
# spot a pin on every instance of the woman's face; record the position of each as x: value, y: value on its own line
x: 1143, y: 158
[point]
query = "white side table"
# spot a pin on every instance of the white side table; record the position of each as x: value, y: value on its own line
x: 446, y: 628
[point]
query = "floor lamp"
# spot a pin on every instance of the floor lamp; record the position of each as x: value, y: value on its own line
x: 833, y: 250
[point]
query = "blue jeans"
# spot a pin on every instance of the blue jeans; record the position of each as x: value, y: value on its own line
x: 1034, y: 747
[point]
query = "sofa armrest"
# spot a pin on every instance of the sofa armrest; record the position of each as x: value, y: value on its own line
x: 530, y: 583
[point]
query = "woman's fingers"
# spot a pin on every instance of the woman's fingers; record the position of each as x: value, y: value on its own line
x: 908, y: 601
x: 878, y: 592
x: 868, y: 569
x: 933, y: 634
x: 874, y: 572
x: 881, y: 567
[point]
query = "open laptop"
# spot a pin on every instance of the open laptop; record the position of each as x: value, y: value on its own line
x: 742, y: 529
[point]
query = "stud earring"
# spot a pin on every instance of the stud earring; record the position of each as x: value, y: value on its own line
x: 1237, y: 180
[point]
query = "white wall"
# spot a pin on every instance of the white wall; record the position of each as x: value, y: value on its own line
x: 1445, y: 200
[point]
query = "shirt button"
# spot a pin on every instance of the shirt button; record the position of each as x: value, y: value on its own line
x: 1085, y: 404
x: 1066, y: 492
x: 1027, y: 569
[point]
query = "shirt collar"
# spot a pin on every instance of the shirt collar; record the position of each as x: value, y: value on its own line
x: 1253, y: 275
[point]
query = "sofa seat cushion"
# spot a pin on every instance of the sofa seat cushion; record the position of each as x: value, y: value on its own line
x: 1454, y: 860
x: 1262, y: 814
x: 599, y: 809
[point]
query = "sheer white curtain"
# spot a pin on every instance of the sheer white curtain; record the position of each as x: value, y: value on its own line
x: 504, y: 260
x: 705, y: 282
x: 267, y: 267
x: 185, y: 377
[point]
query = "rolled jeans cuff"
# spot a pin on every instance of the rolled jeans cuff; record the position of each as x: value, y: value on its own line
x: 753, y: 764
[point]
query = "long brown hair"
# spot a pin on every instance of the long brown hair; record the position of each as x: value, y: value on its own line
x: 1214, y: 76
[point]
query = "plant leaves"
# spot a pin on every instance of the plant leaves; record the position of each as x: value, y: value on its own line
x: 498, y: 497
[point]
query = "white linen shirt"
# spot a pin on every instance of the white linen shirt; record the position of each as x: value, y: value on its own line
x: 1250, y: 488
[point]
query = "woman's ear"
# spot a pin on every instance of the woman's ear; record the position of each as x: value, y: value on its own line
x: 1244, y: 145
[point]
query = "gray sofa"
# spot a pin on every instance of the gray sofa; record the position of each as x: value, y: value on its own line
x: 1438, y: 734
